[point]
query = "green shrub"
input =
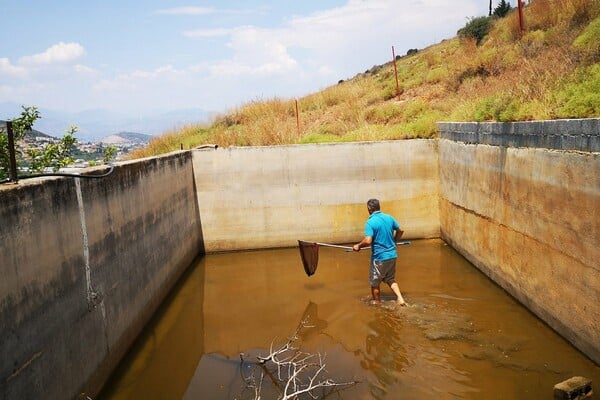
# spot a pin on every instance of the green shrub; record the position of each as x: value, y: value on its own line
x: 477, y: 28
x: 580, y: 97
x: 415, y: 109
x: 389, y: 92
x: 496, y: 108
x: 437, y: 74
x: 382, y: 113
x: 589, y: 40
x: 425, y: 125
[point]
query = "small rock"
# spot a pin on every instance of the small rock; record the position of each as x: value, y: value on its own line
x: 575, y: 388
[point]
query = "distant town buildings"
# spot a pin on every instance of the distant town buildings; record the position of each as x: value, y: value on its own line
x: 88, y: 153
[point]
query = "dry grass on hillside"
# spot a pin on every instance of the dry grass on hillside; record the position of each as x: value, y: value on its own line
x: 551, y: 70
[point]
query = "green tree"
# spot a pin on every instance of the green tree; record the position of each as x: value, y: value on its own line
x: 110, y: 153
x: 19, y: 127
x: 502, y: 9
x: 53, y: 155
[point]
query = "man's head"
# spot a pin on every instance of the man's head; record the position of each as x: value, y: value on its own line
x: 373, y: 205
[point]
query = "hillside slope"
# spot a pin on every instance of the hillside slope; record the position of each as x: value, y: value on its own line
x: 549, y: 70
x: 126, y: 138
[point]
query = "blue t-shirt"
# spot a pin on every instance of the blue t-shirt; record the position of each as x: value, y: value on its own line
x: 380, y: 227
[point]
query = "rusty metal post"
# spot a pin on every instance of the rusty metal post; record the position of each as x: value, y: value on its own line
x: 12, y: 154
x: 521, y: 23
x: 297, y: 118
x: 396, y: 73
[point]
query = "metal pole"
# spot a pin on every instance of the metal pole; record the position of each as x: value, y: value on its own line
x: 297, y: 118
x: 11, y: 150
x: 521, y: 24
x: 396, y: 74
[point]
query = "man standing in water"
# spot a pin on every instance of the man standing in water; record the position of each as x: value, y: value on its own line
x: 380, y: 234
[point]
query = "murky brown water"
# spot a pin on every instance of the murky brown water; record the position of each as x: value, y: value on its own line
x: 462, y: 337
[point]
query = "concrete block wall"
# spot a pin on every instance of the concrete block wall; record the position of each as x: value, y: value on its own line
x: 520, y: 201
x: 264, y: 197
x: 84, y: 264
x: 567, y: 134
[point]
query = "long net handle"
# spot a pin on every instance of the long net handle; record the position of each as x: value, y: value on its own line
x: 368, y: 247
x: 348, y: 248
x: 334, y: 245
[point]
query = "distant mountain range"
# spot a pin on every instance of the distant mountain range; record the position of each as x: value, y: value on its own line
x: 97, y: 124
x: 128, y: 138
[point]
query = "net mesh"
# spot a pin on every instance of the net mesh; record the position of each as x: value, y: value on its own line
x: 309, y: 252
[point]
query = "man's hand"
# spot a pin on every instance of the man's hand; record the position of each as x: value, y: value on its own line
x: 356, y: 247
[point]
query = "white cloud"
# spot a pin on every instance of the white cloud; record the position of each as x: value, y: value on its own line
x: 85, y: 70
x: 190, y: 10
x: 375, y: 25
x: 6, y: 68
x: 61, y: 53
x: 261, y: 51
x: 138, y: 79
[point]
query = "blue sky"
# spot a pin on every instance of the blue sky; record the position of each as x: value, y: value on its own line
x: 145, y: 56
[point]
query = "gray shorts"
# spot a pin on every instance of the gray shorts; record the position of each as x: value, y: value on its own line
x: 382, y: 271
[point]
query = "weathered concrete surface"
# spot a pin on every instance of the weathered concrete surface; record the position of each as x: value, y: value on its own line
x: 84, y: 265
x: 527, y: 217
x: 261, y: 197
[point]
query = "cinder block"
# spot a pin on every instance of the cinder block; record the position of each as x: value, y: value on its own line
x: 590, y: 126
x: 571, y: 142
x: 594, y: 144
x: 486, y: 127
x: 575, y: 388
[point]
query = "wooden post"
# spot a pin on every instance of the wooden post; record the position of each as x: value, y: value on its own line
x: 396, y: 73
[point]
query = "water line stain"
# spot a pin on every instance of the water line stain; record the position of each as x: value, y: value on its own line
x: 461, y: 337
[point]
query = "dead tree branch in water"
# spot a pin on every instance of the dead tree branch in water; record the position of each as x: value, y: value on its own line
x: 297, y: 372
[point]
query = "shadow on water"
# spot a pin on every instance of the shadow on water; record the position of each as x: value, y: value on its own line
x: 460, y: 337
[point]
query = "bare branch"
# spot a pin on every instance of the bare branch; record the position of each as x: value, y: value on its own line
x: 297, y: 372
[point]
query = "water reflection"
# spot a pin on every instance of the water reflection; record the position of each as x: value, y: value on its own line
x: 385, y: 353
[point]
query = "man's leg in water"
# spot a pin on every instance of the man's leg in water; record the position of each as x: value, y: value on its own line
x: 375, y: 292
x: 396, y: 289
x: 375, y: 281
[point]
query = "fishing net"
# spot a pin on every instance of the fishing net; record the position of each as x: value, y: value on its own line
x: 309, y: 252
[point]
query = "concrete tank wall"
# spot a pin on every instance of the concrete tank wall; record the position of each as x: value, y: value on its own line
x: 261, y: 197
x: 521, y: 202
x: 84, y: 264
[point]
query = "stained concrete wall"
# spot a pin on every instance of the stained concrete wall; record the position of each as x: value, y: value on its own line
x: 84, y: 264
x: 521, y: 202
x: 261, y: 197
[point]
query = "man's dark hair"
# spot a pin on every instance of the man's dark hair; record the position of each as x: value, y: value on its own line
x: 373, y: 204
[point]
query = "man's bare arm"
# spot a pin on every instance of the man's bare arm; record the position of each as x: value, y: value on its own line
x: 367, y: 240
